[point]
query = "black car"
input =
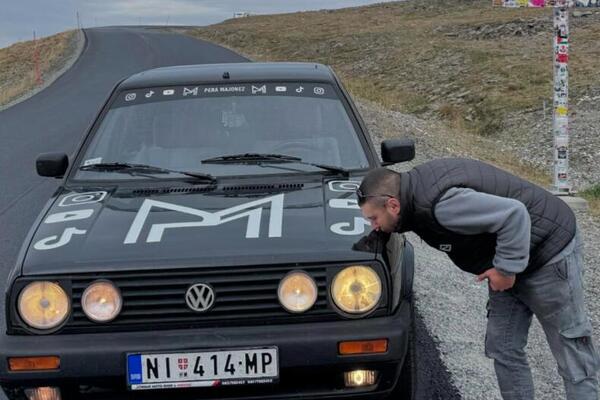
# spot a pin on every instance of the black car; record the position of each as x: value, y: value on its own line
x: 205, y: 242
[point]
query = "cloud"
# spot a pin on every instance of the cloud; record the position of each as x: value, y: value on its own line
x: 151, y: 8
x: 19, y: 18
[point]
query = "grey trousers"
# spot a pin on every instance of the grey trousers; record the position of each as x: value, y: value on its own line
x: 554, y: 293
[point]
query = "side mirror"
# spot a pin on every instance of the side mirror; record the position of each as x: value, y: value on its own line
x: 397, y: 150
x: 52, y: 164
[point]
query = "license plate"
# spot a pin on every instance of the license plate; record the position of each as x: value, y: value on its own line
x: 202, y: 369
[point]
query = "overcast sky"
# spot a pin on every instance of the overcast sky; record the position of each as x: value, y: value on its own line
x: 19, y: 18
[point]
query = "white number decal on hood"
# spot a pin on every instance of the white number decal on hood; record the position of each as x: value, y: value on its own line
x: 343, y: 186
x: 252, y: 210
x: 344, y: 203
x: 68, y: 233
x: 65, y: 238
x: 345, y: 228
x: 69, y: 216
x: 76, y: 199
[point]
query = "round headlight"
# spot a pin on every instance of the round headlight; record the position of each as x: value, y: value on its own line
x: 101, y: 301
x: 43, y: 305
x: 297, y: 292
x: 356, y: 289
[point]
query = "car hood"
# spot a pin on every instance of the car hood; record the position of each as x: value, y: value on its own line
x: 120, y: 228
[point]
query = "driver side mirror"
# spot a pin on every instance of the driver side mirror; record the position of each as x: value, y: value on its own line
x: 397, y: 150
x: 52, y: 164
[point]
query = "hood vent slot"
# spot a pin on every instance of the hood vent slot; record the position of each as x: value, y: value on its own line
x: 263, y: 188
x: 147, y: 192
x: 225, y: 189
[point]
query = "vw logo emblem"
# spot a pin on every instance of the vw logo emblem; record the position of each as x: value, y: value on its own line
x: 200, y: 297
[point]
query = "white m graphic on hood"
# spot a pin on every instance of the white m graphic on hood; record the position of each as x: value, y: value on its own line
x: 252, y: 210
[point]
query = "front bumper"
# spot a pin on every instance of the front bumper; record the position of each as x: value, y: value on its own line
x: 308, y: 357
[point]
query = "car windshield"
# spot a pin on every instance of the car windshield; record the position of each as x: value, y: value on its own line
x: 176, y: 128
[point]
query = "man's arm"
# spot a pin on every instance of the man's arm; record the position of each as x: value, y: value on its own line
x: 469, y: 212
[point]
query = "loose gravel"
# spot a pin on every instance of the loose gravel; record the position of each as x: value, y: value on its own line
x: 451, y: 303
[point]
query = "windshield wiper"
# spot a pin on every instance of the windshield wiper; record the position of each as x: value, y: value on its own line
x: 250, y: 157
x: 270, y: 158
x: 129, y: 168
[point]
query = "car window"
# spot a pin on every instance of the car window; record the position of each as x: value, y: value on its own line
x: 176, y: 128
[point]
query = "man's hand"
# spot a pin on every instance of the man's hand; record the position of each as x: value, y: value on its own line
x: 498, y: 281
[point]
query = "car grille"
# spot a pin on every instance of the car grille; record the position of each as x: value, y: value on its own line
x: 156, y: 299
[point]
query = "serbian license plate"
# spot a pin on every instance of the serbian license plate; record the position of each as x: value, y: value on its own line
x: 202, y: 369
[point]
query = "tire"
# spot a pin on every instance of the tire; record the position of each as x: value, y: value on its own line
x: 13, y: 394
x: 406, y: 387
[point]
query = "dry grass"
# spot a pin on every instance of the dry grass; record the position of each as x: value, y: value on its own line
x: 17, y: 66
x: 422, y: 56
x: 592, y: 195
x: 425, y: 57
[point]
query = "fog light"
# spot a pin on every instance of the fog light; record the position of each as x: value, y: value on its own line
x: 43, y: 393
x: 101, y: 301
x: 297, y: 292
x: 360, y: 378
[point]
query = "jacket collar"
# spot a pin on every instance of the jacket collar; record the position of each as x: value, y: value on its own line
x: 405, y: 196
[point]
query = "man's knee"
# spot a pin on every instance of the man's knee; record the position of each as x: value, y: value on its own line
x: 576, y: 354
x: 586, y: 389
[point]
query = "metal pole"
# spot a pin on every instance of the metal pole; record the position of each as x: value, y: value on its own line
x: 562, y: 183
x: 36, y: 61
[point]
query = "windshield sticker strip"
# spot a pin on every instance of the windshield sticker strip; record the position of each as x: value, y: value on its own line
x: 153, y: 95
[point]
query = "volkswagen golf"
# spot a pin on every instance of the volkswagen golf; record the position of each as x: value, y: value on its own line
x: 205, y: 242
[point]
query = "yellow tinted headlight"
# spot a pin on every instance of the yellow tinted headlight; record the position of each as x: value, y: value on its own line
x: 356, y: 289
x: 297, y: 292
x: 101, y: 301
x: 43, y: 305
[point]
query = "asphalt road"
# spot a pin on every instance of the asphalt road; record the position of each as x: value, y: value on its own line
x: 56, y: 118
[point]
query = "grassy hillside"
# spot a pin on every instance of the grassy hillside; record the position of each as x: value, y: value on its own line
x: 17, y: 67
x: 482, y: 71
x: 466, y: 62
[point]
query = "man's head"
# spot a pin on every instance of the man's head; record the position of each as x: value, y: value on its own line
x: 378, y: 199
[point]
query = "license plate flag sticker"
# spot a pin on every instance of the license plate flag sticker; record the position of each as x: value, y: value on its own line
x: 202, y: 369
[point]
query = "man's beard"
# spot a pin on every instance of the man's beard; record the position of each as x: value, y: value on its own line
x: 398, y: 224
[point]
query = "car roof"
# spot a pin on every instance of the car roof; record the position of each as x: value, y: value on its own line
x: 238, y: 72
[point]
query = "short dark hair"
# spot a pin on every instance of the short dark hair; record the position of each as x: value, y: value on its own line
x: 379, y: 182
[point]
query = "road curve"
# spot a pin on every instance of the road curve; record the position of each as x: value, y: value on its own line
x: 56, y: 119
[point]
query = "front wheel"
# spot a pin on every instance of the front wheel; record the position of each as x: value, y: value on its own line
x: 406, y: 386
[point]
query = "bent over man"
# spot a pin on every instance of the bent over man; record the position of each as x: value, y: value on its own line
x: 520, y: 238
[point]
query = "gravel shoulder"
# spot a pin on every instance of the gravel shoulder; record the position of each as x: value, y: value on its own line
x: 451, y: 302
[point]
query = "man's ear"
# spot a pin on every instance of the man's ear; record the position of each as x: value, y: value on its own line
x: 394, y: 205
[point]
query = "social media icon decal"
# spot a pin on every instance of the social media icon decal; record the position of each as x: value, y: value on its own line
x: 319, y: 91
x: 190, y: 92
x: 281, y: 89
x: 130, y: 96
x: 168, y: 92
x: 149, y: 94
x: 259, y: 89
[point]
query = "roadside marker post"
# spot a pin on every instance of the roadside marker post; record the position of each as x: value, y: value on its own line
x: 36, y: 61
x: 560, y: 127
